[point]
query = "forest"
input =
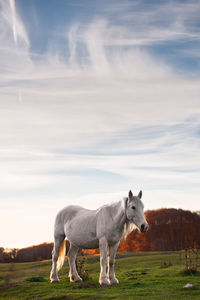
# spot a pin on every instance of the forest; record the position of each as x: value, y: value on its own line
x: 170, y: 230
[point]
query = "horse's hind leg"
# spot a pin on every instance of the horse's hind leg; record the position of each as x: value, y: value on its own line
x: 73, y: 274
x: 55, y: 253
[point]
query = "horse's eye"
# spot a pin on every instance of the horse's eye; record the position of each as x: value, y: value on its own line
x: 133, y: 207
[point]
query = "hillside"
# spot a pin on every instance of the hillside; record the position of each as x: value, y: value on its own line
x: 141, y: 276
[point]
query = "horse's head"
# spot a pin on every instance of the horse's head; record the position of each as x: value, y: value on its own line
x: 135, y: 211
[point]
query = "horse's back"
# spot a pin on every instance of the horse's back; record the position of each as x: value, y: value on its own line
x: 79, y: 225
x: 68, y: 213
x: 74, y: 214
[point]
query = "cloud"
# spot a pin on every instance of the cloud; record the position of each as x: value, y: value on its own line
x: 60, y: 104
x: 140, y: 23
x: 109, y: 117
x: 14, y: 30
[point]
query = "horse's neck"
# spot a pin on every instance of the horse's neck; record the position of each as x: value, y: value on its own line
x: 119, y: 215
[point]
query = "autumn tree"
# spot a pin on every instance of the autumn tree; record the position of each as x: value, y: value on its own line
x: 170, y: 230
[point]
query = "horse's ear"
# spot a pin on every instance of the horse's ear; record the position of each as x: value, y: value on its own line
x: 130, y: 194
x: 140, y: 194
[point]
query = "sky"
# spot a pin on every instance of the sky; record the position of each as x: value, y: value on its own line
x: 96, y: 98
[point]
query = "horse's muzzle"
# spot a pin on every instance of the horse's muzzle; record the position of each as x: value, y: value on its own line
x: 144, y: 227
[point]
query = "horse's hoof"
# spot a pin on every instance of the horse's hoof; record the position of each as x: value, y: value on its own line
x: 78, y: 279
x: 54, y: 280
x: 104, y: 283
x: 114, y: 281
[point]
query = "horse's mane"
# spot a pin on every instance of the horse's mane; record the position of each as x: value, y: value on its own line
x: 128, y: 226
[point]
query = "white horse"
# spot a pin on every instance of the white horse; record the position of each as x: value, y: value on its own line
x: 90, y: 229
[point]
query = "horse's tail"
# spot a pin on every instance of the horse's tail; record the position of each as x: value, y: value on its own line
x: 61, y: 257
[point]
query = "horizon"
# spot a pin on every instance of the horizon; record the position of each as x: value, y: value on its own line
x: 51, y: 242
x: 97, y: 98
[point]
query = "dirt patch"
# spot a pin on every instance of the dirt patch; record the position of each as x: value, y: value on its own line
x: 8, y: 284
x: 85, y: 286
x: 36, y: 279
x: 16, y: 283
x: 135, y: 275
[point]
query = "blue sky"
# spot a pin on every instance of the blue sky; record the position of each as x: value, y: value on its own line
x: 96, y: 98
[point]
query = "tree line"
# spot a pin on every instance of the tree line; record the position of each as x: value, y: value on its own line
x: 34, y: 253
x: 170, y: 230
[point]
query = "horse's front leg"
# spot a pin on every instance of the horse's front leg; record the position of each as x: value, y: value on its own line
x: 111, y: 264
x: 103, y: 246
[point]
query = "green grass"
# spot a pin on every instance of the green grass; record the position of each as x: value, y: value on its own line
x: 141, y: 276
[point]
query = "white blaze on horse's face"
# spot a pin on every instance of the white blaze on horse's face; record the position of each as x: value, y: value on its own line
x: 135, y: 211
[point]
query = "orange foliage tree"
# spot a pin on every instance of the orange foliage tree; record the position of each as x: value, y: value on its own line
x: 170, y: 230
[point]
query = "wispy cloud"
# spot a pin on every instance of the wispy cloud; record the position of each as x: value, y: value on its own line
x: 108, y: 116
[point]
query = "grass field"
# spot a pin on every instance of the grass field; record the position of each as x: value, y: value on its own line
x: 141, y: 275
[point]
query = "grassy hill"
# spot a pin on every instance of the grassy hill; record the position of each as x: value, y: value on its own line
x: 141, y: 275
